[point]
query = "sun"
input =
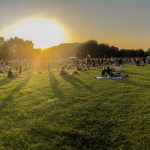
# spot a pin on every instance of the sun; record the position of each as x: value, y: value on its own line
x: 44, y: 33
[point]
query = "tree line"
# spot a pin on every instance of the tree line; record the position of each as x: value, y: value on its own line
x: 96, y: 50
x: 17, y: 48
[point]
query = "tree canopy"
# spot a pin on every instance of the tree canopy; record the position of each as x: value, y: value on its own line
x: 17, y: 48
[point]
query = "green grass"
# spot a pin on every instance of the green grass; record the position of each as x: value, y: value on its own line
x: 47, y: 111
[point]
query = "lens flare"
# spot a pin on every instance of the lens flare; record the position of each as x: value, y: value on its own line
x: 43, y: 32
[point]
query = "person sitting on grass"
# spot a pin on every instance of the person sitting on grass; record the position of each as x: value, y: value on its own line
x: 79, y: 68
x: 103, y: 73
x: 10, y: 73
x: 120, y: 72
x: 1, y: 71
x: 113, y: 68
x: 4, y: 69
x: 109, y: 72
x: 63, y: 72
x: 75, y: 73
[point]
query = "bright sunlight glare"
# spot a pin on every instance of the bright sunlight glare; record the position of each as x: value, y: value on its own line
x: 43, y: 32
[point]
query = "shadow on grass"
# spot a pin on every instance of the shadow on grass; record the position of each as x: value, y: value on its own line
x: 5, y: 81
x: 54, y: 84
x: 8, y: 98
x: 76, y: 82
x: 135, y: 84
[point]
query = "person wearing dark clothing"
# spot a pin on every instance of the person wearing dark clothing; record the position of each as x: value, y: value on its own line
x: 10, y: 73
x: 144, y: 61
x: 63, y: 72
x: 20, y: 69
x: 103, y: 73
x: 109, y: 71
x: 120, y: 61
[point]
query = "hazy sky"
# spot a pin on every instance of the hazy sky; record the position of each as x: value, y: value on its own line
x: 123, y: 23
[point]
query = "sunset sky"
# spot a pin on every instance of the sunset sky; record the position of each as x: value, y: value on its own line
x: 123, y: 23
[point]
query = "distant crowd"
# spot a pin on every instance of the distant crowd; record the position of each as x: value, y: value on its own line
x: 87, y: 63
x: 113, y: 64
x: 15, y: 68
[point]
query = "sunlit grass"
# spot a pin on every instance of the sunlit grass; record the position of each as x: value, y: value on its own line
x: 47, y: 111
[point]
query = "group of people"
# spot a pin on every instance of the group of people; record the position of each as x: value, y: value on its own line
x: 107, y: 72
x: 112, y: 71
x: 14, y: 68
x: 14, y: 74
x: 114, y: 68
x: 84, y: 64
x: 9, y: 69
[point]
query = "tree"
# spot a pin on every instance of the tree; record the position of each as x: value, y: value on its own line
x: 16, y: 48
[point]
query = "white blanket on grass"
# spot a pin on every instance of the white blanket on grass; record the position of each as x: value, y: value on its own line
x: 99, y: 77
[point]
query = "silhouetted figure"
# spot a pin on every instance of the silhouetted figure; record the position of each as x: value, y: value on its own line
x: 109, y: 71
x: 104, y: 72
x: 120, y: 61
x: 63, y: 72
x: 20, y: 69
x: 10, y: 73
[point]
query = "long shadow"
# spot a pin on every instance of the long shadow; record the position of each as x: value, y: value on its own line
x: 5, y: 81
x: 135, y: 84
x: 76, y: 82
x: 9, y: 97
x: 54, y: 84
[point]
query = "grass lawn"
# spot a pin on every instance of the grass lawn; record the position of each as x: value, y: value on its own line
x: 47, y: 111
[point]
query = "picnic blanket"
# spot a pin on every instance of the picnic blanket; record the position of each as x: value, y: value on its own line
x: 99, y: 77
